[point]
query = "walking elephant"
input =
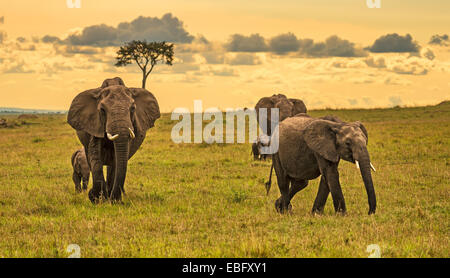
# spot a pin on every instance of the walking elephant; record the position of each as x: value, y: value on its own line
x: 111, y: 122
x: 312, y: 147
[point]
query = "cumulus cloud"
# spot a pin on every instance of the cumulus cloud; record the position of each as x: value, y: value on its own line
x: 2, y: 36
x: 375, y: 62
x: 16, y: 66
x: 440, y: 40
x: 213, y: 57
x: 427, y: 53
x: 247, y: 59
x: 167, y: 28
x: 50, y: 39
x: 241, y: 43
x: 287, y: 43
x: 394, y: 43
x: 284, y: 43
x: 332, y: 47
x: 413, y: 66
x: 70, y: 50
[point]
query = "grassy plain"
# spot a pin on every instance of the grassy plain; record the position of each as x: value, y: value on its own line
x: 200, y: 200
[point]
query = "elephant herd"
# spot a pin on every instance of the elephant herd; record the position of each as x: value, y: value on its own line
x: 111, y: 123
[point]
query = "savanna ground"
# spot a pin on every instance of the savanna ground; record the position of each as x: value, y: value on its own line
x: 199, y: 200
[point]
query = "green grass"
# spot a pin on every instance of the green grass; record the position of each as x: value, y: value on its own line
x: 199, y: 200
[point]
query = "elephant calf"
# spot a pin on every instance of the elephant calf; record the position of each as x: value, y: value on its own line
x: 81, y: 170
x: 256, y: 149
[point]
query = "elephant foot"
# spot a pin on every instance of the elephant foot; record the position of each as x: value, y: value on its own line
x: 94, y: 196
x: 316, y: 211
x: 116, y: 197
x: 77, y: 189
x: 280, y: 209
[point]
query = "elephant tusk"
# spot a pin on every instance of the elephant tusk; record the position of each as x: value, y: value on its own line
x: 373, y: 168
x: 357, y: 164
x: 112, y: 137
x: 131, y: 133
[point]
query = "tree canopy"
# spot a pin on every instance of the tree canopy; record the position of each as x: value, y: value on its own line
x: 146, y: 55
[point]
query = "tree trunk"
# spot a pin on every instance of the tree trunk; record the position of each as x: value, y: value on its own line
x: 144, y: 79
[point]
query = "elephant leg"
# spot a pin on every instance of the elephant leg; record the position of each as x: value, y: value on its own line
x: 85, y: 183
x: 296, y: 186
x: 321, y: 197
x: 96, y: 165
x: 335, y: 189
x: 282, y: 204
x: 110, y: 178
x: 76, y: 179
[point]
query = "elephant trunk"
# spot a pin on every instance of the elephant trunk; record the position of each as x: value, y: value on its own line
x: 121, y: 149
x: 362, y: 158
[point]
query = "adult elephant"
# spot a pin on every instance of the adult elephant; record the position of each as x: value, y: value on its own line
x: 111, y: 122
x: 311, y: 147
x: 288, y: 107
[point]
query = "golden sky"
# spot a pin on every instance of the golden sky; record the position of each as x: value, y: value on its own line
x: 38, y: 74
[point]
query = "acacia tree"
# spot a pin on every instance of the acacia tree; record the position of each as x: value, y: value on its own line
x: 146, y: 55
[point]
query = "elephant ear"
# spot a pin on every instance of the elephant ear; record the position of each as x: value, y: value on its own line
x: 299, y: 106
x: 285, y: 107
x: 363, y: 128
x: 320, y: 137
x: 83, y: 113
x: 147, y: 109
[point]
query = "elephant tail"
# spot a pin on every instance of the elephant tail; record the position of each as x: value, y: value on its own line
x: 269, y: 183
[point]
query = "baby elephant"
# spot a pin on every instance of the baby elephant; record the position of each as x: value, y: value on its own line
x: 81, y: 170
x: 256, y: 148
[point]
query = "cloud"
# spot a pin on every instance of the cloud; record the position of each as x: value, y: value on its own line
x: 375, y: 62
x: 427, y: 53
x: 395, y: 100
x: 394, y: 80
x: 440, y: 40
x: 70, y: 50
x: 52, y: 68
x: 394, y: 43
x: 246, y: 59
x: 288, y: 42
x: 16, y: 66
x: 2, y: 36
x: 411, y: 65
x: 332, y: 47
x: 241, y: 43
x: 224, y: 71
x: 50, y: 39
x: 284, y: 43
x: 167, y: 28
x: 213, y: 57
